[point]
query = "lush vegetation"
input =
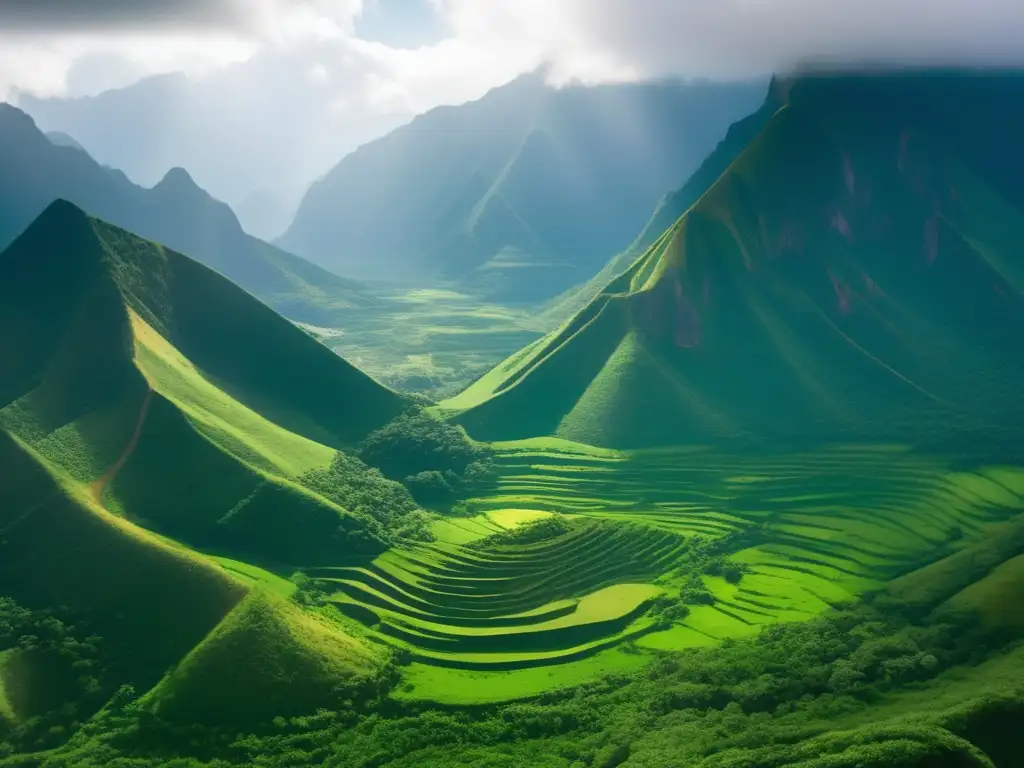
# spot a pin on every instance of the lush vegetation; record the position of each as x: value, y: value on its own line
x: 365, y: 491
x: 247, y: 575
x: 435, y: 460
x: 840, y: 233
x: 51, y: 677
x: 859, y: 687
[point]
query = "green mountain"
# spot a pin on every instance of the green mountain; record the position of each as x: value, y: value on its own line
x: 520, y: 194
x: 35, y: 171
x: 851, y: 275
x: 172, y: 393
x: 147, y: 404
x: 669, y: 209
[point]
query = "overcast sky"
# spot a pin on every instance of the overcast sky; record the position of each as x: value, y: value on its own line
x: 370, y: 64
x: 419, y: 53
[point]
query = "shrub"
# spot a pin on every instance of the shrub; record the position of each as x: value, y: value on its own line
x: 429, y: 487
x: 417, y: 449
x: 391, y: 510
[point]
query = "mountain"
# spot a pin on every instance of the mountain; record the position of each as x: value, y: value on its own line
x: 668, y: 210
x: 520, y: 194
x: 147, y: 407
x: 61, y: 139
x: 34, y: 172
x: 853, y: 274
x: 122, y: 354
x: 283, y: 126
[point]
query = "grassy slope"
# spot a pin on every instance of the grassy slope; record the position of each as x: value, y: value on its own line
x: 151, y: 602
x: 872, y: 262
x: 267, y: 658
x: 105, y: 381
x: 669, y: 210
x: 160, y: 607
x: 101, y: 407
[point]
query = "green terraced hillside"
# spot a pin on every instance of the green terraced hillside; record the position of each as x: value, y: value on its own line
x: 486, y: 618
x: 853, y: 274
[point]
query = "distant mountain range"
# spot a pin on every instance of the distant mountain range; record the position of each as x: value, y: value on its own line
x: 36, y: 169
x: 854, y: 273
x: 282, y: 131
x: 519, y: 195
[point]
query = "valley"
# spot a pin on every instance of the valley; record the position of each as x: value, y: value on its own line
x: 747, y: 496
x: 430, y: 341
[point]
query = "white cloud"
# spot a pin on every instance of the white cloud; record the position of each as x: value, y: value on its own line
x: 593, y: 40
x: 491, y: 41
x: 41, y: 41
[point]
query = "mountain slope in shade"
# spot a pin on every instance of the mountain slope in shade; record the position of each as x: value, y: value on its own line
x: 35, y: 171
x: 174, y: 396
x: 854, y: 274
x: 521, y: 194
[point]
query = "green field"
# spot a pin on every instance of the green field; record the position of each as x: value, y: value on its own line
x: 814, y: 530
x: 433, y: 341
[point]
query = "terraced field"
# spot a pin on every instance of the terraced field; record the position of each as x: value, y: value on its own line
x: 507, y: 606
x: 812, y: 530
x: 822, y: 526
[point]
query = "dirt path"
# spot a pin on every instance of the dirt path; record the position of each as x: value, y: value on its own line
x: 100, y: 485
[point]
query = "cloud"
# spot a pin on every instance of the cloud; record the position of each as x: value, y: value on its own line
x: 235, y: 17
x: 43, y: 41
x: 489, y: 41
x: 65, y: 16
x: 596, y: 40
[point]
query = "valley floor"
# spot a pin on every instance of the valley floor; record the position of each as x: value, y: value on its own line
x: 431, y: 340
x: 808, y: 532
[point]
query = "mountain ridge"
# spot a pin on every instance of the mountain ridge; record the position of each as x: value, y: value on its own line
x: 176, y: 212
x: 798, y: 258
x: 519, y: 194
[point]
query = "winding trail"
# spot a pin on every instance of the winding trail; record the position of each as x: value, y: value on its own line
x: 100, y: 485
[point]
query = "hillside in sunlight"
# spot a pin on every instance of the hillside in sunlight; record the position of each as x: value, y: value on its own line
x: 853, y: 274
x: 146, y: 405
x: 171, y: 391
x: 756, y: 503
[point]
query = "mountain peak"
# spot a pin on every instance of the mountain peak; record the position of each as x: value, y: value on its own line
x: 177, y: 177
x: 60, y: 215
x: 16, y: 122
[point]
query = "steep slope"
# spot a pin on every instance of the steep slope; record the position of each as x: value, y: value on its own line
x: 520, y: 194
x: 853, y: 274
x: 152, y: 602
x: 668, y: 210
x: 173, y: 394
x: 35, y: 171
x: 165, y: 616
